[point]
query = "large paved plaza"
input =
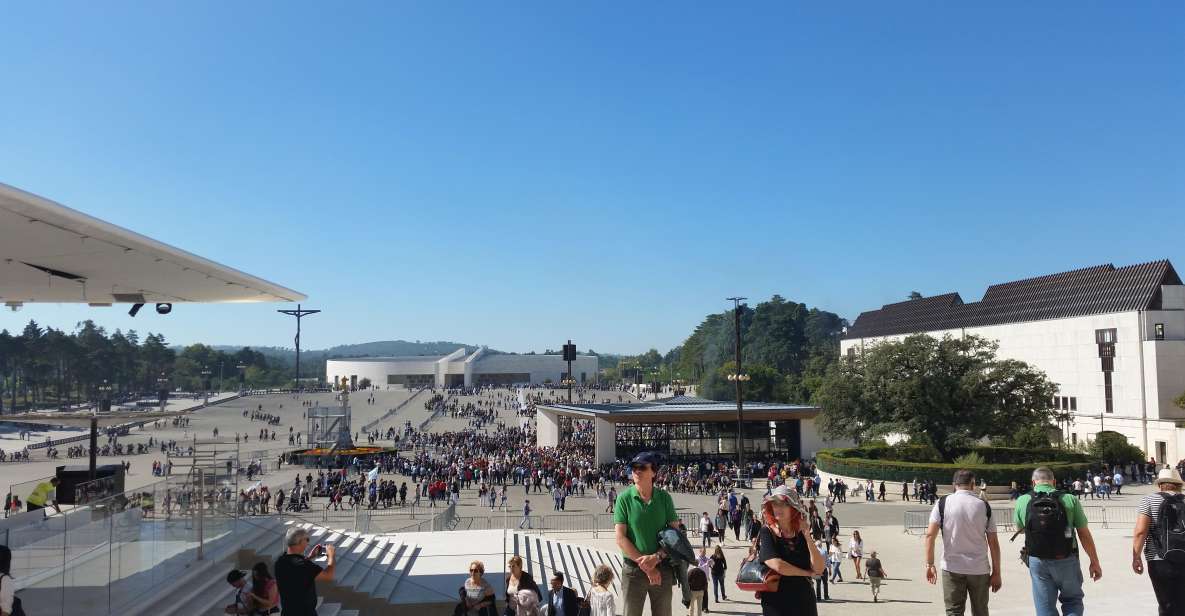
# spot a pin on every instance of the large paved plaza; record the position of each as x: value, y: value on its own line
x: 905, y: 590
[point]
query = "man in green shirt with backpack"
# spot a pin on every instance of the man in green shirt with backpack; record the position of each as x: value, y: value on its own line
x: 1050, y: 519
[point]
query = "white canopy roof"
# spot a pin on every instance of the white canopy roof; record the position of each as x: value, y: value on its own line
x: 51, y: 253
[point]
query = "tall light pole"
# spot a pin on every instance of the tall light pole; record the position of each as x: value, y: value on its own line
x: 299, y: 314
x: 569, y: 356
x: 242, y: 376
x: 739, y: 377
x: 104, y: 405
x: 162, y: 384
x: 206, y: 383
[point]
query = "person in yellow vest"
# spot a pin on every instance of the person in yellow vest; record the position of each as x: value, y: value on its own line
x: 45, y: 491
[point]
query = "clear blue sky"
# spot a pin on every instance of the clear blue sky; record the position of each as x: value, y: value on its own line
x: 516, y: 174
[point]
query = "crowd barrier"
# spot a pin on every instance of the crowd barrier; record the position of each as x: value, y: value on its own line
x: 1120, y: 516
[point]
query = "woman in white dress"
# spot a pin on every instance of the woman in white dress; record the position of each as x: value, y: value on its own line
x: 600, y: 597
x: 856, y: 552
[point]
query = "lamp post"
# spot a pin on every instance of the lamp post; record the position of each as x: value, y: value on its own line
x: 162, y: 384
x: 206, y: 383
x: 569, y: 356
x: 104, y: 405
x: 568, y: 382
x: 739, y: 377
x: 242, y: 376
x: 104, y: 396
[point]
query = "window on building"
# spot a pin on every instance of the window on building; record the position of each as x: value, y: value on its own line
x: 1056, y: 401
x: 1108, y: 391
x: 1074, y: 438
x: 1073, y: 403
x: 1065, y: 403
x: 1104, y: 336
x: 1159, y: 328
x: 851, y: 351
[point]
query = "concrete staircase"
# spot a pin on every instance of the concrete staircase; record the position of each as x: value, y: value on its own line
x: 369, y: 571
x: 370, y: 565
x: 543, y: 556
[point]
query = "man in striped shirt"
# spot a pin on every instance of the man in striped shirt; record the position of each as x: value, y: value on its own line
x: 1168, y: 579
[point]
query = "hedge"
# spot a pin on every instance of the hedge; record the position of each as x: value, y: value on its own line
x: 852, y: 463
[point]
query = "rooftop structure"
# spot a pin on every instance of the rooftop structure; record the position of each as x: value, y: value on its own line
x: 51, y: 253
x: 686, y: 428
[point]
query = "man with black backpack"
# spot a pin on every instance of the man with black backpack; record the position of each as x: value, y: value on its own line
x: 1160, y: 535
x: 1054, y: 523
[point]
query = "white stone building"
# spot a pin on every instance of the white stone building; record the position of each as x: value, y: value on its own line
x: 460, y: 368
x: 1112, y: 339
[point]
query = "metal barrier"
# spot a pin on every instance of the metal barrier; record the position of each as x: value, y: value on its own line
x: 1121, y: 516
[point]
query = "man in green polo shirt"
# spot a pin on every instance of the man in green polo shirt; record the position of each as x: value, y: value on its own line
x: 639, y: 513
x: 1052, y: 547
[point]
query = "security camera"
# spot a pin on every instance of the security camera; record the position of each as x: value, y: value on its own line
x: 135, y: 310
x: 164, y: 308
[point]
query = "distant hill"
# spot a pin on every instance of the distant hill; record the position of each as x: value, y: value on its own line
x: 384, y: 348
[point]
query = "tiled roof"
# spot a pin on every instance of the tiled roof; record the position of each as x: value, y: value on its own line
x: 1093, y: 290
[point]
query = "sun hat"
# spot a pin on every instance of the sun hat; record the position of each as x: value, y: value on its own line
x: 1168, y: 475
x: 788, y: 496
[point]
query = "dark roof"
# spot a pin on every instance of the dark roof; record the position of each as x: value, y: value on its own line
x: 684, y: 400
x: 679, y: 405
x: 1093, y: 290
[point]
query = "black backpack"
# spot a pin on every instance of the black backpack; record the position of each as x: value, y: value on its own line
x: 1047, y: 526
x: 1171, y: 521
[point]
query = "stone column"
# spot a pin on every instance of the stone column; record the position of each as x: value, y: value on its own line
x: 605, y: 437
x: 547, y: 432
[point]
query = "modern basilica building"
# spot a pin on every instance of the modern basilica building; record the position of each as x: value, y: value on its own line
x: 1112, y: 339
x: 461, y: 369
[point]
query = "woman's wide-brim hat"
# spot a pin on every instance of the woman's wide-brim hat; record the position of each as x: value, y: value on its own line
x: 788, y: 496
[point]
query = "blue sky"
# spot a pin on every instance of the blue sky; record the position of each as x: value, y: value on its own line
x: 517, y: 174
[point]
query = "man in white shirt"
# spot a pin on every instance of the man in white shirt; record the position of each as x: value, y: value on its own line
x: 968, y: 538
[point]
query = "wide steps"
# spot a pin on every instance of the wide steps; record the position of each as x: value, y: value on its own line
x: 542, y: 557
x: 368, y: 564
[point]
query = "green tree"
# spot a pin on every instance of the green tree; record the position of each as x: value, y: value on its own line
x: 1180, y: 401
x: 1113, y: 448
x: 1030, y: 437
x: 950, y: 392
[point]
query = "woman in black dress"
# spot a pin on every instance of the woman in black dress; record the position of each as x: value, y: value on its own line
x: 783, y: 545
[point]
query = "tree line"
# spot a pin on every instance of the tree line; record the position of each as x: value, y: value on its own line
x: 44, y: 367
x: 786, y: 349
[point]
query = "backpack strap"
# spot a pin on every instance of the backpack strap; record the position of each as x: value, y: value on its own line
x: 942, y: 514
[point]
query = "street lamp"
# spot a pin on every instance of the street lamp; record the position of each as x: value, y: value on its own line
x: 739, y: 378
x: 206, y: 383
x: 104, y: 405
x: 568, y: 382
x: 162, y: 384
x: 104, y: 396
x: 242, y: 376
